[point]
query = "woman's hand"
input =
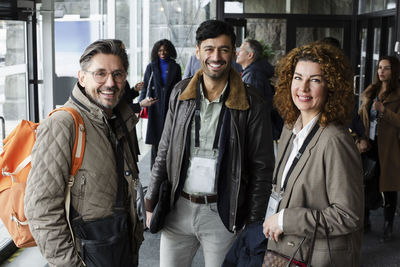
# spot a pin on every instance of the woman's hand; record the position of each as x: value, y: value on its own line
x: 363, y: 145
x: 148, y: 218
x: 378, y: 106
x: 147, y: 102
x: 138, y: 87
x: 271, y: 227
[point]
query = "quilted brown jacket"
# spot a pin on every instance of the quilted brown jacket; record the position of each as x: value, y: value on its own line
x: 94, y: 191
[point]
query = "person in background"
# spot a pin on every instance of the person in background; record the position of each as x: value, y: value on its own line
x: 318, y: 169
x: 380, y: 113
x: 216, y: 151
x: 103, y: 193
x: 257, y: 71
x: 160, y: 77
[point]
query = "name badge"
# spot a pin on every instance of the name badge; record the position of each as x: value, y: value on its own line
x: 273, y: 204
x: 202, y: 175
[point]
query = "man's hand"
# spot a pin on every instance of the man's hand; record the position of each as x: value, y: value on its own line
x: 148, y: 101
x: 271, y: 227
x: 148, y: 218
x: 138, y: 87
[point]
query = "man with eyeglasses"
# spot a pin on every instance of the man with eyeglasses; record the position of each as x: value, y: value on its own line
x: 105, y: 227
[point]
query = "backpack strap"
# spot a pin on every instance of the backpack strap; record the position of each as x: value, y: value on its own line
x: 77, y: 158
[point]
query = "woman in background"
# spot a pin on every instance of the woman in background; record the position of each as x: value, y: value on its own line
x: 318, y: 173
x: 380, y: 112
x: 160, y: 77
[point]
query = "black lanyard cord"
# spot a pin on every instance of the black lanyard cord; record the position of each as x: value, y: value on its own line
x: 297, y: 158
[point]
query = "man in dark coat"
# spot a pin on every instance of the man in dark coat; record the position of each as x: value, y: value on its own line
x: 257, y: 71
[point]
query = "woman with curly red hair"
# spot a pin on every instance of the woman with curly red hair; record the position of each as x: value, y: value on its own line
x: 318, y: 172
x: 380, y: 112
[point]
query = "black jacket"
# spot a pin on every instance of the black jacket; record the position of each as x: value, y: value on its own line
x: 258, y: 74
x: 246, y: 158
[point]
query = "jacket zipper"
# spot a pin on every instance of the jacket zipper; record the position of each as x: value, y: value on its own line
x: 239, y: 173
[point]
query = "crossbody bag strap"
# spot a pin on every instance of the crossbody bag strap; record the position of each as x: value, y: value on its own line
x: 327, y: 238
x: 311, y: 249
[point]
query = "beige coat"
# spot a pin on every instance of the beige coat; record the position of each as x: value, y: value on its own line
x: 328, y: 178
x: 94, y: 191
x: 388, y: 138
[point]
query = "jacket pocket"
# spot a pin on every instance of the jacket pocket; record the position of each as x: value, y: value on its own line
x: 114, y: 251
x: 106, y: 242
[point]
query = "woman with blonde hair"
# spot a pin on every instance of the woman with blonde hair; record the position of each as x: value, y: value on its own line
x: 318, y: 173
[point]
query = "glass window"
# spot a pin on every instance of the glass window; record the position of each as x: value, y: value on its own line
x: 233, y: 7
x: 13, y: 85
x: 13, y: 72
x: 375, y: 55
x: 271, y: 32
x: 325, y: 7
x: 306, y: 35
x: 366, y: 6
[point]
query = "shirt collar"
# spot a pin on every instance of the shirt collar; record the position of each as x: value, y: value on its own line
x: 219, y: 99
x: 302, y: 132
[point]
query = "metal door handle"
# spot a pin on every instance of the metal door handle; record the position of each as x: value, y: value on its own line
x: 3, y: 127
x: 355, y: 84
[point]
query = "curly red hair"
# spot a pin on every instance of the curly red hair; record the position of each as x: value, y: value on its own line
x: 337, y: 73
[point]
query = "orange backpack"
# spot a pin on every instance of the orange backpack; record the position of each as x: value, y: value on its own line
x: 15, y: 164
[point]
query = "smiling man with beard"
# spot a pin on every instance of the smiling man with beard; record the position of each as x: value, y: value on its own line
x: 216, y: 151
x: 103, y: 215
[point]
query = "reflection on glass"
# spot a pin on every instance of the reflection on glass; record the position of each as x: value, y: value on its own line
x: 363, y: 60
x: 233, y: 7
x: 178, y: 22
x: 307, y: 35
x: 271, y: 32
x: 324, y: 7
x: 366, y: 6
x: 13, y: 72
x: 375, y: 55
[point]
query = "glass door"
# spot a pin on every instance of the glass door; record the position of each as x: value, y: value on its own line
x: 375, y: 39
x: 13, y: 93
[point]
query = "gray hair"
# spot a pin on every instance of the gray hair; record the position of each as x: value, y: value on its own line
x: 254, y: 46
x: 105, y: 46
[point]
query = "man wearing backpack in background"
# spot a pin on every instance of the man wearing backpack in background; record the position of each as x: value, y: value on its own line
x: 105, y: 227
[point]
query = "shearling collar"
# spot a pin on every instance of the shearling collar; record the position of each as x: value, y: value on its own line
x: 237, y: 98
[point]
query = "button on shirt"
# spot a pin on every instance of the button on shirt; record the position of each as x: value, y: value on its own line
x: 209, y: 115
x: 301, y: 134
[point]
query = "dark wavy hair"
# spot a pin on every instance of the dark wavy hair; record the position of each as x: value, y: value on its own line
x: 212, y: 29
x: 168, y: 45
x: 337, y: 73
x: 393, y: 84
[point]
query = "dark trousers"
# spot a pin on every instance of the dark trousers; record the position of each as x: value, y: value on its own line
x: 390, y: 197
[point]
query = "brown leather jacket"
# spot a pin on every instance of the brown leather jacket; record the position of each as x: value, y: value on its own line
x: 246, y: 152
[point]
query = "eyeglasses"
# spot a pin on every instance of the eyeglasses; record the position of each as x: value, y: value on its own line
x: 101, y: 76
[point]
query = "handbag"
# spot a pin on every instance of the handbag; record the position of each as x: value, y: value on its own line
x: 369, y: 167
x: 373, y: 199
x: 162, y: 207
x: 144, y: 112
x: 276, y: 259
